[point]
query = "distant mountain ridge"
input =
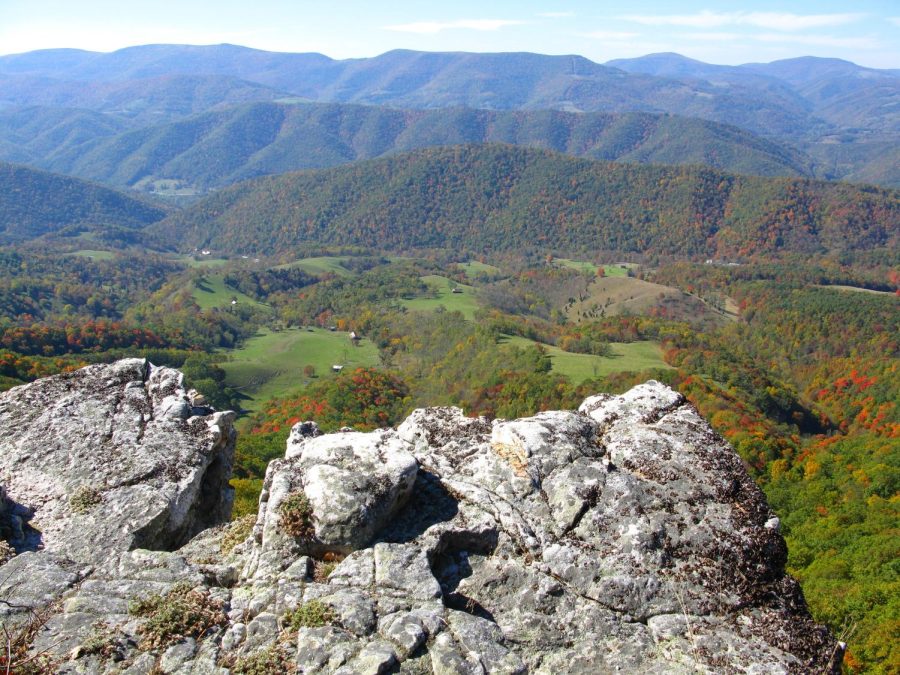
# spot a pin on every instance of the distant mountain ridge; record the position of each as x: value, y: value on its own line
x: 498, y: 197
x: 220, y: 148
x: 824, y: 107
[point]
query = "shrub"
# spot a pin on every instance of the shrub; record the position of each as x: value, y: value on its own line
x: 181, y: 613
x: 312, y: 614
x: 236, y: 532
x: 273, y: 659
x: 296, y: 516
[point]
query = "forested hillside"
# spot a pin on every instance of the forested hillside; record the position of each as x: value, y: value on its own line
x: 35, y: 202
x: 482, y: 198
x: 224, y: 147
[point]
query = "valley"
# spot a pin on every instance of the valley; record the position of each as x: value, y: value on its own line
x: 348, y: 240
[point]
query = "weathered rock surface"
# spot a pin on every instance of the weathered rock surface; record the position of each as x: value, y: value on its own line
x: 625, y: 537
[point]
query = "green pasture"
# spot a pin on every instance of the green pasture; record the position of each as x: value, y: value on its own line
x: 202, y: 261
x: 473, y: 268
x: 609, y: 270
x: 464, y: 302
x: 322, y: 265
x: 93, y: 254
x: 627, y: 356
x: 210, y: 291
x: 270, y: 364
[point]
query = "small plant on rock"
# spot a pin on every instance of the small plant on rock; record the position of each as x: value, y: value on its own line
x: 103, y: 641
x: 296, y: 516
x: 85, y: 498
x: 311, y: 614
x: 273, y: 659
x: 236, y: 532
x: 181, y: 613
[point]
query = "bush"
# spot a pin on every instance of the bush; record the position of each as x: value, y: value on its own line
x: 182, y: 613
x: 237, y: 532
x: 266, y: 661
x: 312, y: 614
x: 296, y: 516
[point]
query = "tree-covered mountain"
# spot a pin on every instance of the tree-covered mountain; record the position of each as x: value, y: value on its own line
x: 409, y: 79
x: 499, y: 197
x: 223, y: 147
x: 140, y: 101
x: 34, y: 203
x: 811, y: 103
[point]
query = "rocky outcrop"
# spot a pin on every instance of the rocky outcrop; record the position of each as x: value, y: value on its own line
x: 624, y: 537
x: 110, y: 458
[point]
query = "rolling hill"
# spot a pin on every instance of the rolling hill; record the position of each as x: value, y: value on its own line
x: 34, y: 203
x: 219, y: 148
x: 499, y: 197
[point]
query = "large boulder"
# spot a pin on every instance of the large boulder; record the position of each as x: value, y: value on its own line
x: 110, y: 458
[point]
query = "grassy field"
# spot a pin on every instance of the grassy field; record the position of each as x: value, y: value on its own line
x: 464, y: 302
x: 271, y: 364
x: 322, y: 265
x: 614, y: 295
x: 614, y: 270
x: 210, y: 291
x: 202, y: 262
x: 94, y: 255
x: 473, y: 268
x: 627, y: 356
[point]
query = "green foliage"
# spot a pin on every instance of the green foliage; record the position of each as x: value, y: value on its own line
x: 33, y: 203
x: 246, y: 493
x: 181, y: 613
x: 237, y: 532
x: 311, y: 614
x: 495, y: 198
x: 295, y: 516
x: 268, y: 661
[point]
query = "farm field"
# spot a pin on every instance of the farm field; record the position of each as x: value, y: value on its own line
x: 473, y: 268
x: 464, y: 302
x: 93, y: 254
x: 321, y: 265
x: 271, y: 364
x: 614, y: 295
x: 610, y: 270
x: 210, y: 291
x: 628, y: 356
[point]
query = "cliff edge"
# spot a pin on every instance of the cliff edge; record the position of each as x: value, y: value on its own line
x: 622, y: 537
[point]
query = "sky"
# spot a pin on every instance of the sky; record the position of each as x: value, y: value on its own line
x: 716, y: 31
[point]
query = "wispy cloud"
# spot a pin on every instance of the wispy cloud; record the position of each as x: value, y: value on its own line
x: 894, y: 20
x: 610, y: 35
x: 431, y: 27
x: 556, y: 15
x: 769, y: 20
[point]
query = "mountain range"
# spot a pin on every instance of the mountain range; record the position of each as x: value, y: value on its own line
x: 222, y: 147
x: 833, y: 118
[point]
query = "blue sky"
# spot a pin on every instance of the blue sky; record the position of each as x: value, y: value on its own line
x: 864, y: 31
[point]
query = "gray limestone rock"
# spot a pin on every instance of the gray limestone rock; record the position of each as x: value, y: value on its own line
x: 624, y: 537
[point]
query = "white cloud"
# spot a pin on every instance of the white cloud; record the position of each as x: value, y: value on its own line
x: 769, y: 20
x: 610, y: 35
x: 894, y: 20
x: 556, y: 15
x: 431, y: 27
